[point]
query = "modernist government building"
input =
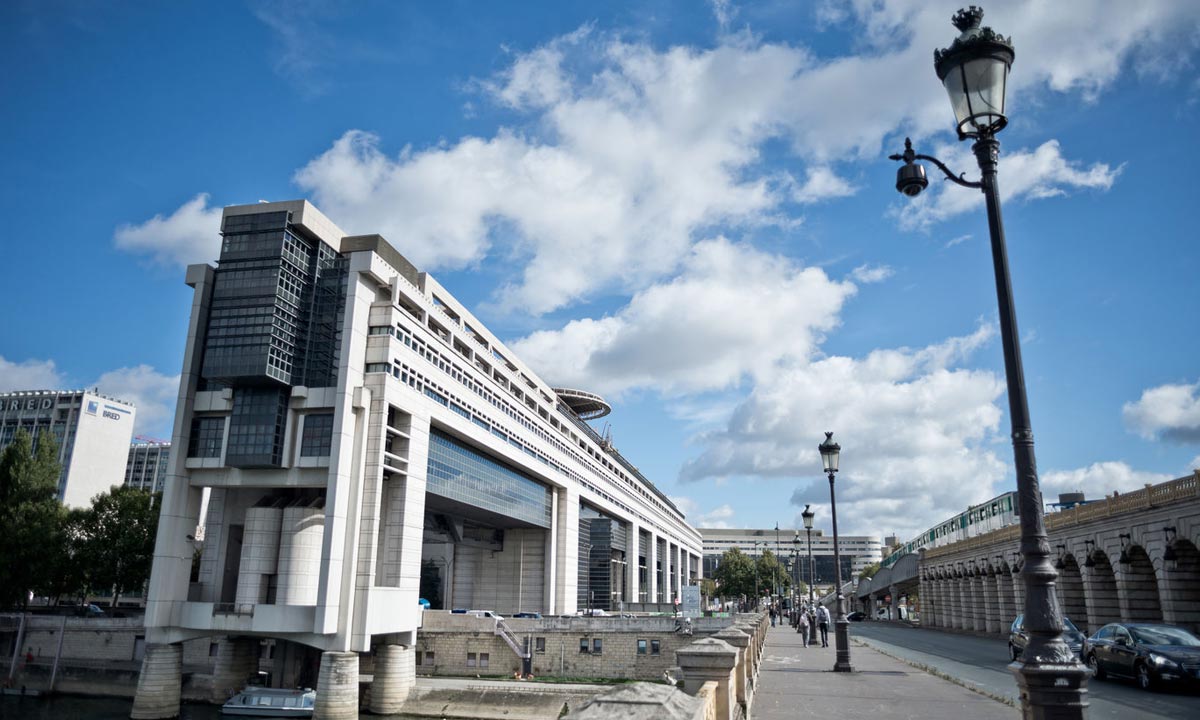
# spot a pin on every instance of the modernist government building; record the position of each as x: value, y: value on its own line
x: 364, y: 442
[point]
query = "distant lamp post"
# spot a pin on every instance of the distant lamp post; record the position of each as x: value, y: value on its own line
x: 974, y: 71
x: 830, y: 452
x: 808, y: 516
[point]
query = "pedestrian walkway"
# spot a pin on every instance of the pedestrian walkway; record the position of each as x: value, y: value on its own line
x: 799, y: 682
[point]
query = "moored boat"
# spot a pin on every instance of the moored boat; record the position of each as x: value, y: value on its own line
x: 270, y: 702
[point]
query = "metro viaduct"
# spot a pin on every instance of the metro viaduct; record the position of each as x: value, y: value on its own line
x: 1128, y: 558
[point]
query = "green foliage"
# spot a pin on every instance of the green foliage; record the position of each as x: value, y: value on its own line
x: 31, y: 517
x: 869, y: 571
x: 735, y: 575
x: 117, y: 540
x: 772, y: 574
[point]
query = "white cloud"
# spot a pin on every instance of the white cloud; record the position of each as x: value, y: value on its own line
x: 1042, y: 173
x: 956, y: 241
x: 822, y: 184
x: 29, y: 375
x: 716, y: 518
x: 867, y: 274
x: 191, y: 234
x: 1097, y: 480
x: 916, y: 434
x: 153, y: 394
x: 732, y: 312
x: 1195, y: 463
x: 1171, y: 412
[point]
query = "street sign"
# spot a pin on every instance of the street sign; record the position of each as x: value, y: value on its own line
x: 691, y: 601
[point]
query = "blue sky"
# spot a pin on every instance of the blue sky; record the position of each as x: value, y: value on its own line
x: 685, y: 206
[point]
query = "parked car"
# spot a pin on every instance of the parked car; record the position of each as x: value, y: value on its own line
x: 1150, y: 653
x: 90, y: 610
x: 1018, y: 638
x: 528, y: 615
x: 856, y: 616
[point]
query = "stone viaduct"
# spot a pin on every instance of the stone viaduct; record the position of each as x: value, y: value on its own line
x: 1130, y: 557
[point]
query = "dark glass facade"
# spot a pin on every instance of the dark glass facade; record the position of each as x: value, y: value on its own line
x: 462, y: 474
x: 274, y: 322
x: 317, y: 436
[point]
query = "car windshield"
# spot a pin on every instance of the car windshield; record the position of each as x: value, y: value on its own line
x: 1070, y: 626
x: 1163, y: 635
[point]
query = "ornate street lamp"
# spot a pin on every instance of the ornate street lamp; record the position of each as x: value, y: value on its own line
x: 829, y: 457
x: 812, y: 601
x: 974, y: 71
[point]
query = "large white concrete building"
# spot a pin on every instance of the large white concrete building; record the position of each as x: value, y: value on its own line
x: 92, y: 431
x: 147, y: 466
x: 856, y: 551
x: 367, y: 441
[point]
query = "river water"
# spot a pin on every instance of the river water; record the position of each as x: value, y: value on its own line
x: 67, y: 707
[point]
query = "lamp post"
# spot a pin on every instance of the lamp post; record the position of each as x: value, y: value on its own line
x: 808, y: 516
x: 757, y: 595
x: 796, y: 568
x: 829, y: 458
x: 974, y: 71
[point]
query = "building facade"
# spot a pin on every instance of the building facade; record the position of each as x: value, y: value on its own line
x: 367, y: 442
x: 856, y: 551
x: 147, y: 466
x: 92, y: 432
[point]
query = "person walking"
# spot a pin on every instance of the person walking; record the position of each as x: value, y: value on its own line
x: 802, y: 627
x: 823, y: 624
x: 772, y: 616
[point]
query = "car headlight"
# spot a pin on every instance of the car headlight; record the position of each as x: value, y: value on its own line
x: 1162, y: 661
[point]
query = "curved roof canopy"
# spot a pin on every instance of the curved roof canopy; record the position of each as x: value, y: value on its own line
x: 586, y: 405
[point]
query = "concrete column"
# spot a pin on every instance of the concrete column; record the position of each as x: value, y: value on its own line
x: 740, y: 642
x: 567, y: 559
x: 991, y: 609
x: 977, y: 609
x: 237, y: 662
x: 651, y: 567
x: 632, y: 582
x: 956, y: 598
x: 395, y: 674
x: 260, y: 553
x: 713, y: 660
x: 895, y: 608
x: 159, y: 684
x: 337, y: 687
x: 680, y: 572
x: 302, y: 531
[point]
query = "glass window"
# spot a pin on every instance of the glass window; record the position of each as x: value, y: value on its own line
x: 655, y: 647
x: 641, y: 647
x: 583, y: 645
x: 461, y: 473
x: 429, y: 657
x: 597, y: 645
x: 470, y: 659
x: 206, y: 437
x: 539, y: 645
x: 317, y: 436
x: 483, y: 660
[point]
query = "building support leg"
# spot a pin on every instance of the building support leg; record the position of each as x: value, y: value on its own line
x: 395, y: 675
x: 237, y: 662
x: 159, y: 684
x: 337, y: 687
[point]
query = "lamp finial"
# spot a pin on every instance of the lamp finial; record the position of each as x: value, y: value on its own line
x: 968, y: 19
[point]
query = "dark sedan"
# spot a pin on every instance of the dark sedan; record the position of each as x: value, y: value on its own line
x: 1148, y: 653
x: 1018, y: 638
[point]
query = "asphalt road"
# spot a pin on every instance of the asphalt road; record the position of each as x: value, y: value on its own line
x: 983, y: 662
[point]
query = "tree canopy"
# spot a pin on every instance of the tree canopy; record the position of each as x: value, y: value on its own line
x: 738, y: 574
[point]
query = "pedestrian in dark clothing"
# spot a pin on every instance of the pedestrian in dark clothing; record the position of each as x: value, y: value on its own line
x: 823, y: 624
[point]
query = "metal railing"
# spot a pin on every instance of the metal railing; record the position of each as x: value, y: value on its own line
x: 240, y: 609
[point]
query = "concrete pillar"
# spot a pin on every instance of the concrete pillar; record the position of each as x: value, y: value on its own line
x: 895, y: 608
x: 260, y: 553
x: 303, y: 529
x: 680, y: 572
x: 991, y: 609
x: 337, y: 687
x: 395, y: 674
x: 652, y: 567
x: 741, y: 643
x: 632, y: 581
x: 711, y: 659
x: 237, y: 662
x: 956, y: 599
x: 159, y: 683
x: 567, y: 558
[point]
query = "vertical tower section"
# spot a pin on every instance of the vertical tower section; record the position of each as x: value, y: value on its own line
x: 274, y: 323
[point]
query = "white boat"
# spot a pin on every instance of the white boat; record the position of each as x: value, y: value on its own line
x: 269, y: 702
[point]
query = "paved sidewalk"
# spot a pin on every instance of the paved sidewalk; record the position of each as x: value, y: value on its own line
x: 799, y: 682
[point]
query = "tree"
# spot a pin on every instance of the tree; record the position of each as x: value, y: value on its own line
x: 771, y: 573
x: 735, y: 575
x: 117, y: 535
x: 30, y: 515
x: 869, y: 571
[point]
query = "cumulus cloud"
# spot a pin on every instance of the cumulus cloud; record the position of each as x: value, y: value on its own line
x: 732, y: 312
x: 716, y: 518
x: 916, y: 433
x: 871, y: 274
x: 1171, y: 412
x: 188, y: 235
x: 822, y: 184
x: 29, y: 375
x: 153, y: 393
x: 1097, y: 480
x: 1037, y: 174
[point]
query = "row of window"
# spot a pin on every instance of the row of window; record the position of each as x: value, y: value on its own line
x: 587, y: 646
x: 431, y: 355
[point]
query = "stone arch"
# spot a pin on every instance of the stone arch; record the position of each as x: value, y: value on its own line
x: 1100, y: 585
x: 1182, y: 595
x: 1071, y: 595
x: 1138, y: 587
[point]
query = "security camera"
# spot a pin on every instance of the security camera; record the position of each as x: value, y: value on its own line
x: 910, y: 179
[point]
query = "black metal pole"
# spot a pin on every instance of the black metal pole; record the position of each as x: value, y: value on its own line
x: 840, y: 623
x: 812, y: 600
x: 1052, y: 683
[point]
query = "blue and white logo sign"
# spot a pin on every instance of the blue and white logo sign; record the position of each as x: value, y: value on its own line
x: 92, y: 407
x: 112, y: 412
